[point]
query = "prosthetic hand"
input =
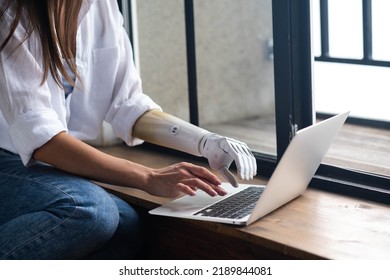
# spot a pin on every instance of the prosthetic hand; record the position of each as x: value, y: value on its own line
x: 221, y: 151
x: 166, y: 130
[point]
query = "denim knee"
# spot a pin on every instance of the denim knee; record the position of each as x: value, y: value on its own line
x: 95, y: 216
x: 127, y: 240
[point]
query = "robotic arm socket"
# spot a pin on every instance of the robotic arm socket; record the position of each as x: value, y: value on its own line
x: 166, y: 130
x: 163, y: 129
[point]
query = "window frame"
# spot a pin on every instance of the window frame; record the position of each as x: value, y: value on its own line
x: 292, y: 17
x: 293, y: 62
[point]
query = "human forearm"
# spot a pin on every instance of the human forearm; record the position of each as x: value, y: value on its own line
x: 74, y: 156
x: 69, y: 154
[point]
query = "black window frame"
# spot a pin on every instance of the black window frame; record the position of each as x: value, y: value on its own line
x: 293, y: 62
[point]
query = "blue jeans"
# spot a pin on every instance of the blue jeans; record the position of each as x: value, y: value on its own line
x: 49, y: 214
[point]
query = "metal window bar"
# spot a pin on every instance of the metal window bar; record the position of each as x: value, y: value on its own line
x: 324, y: 23
x: 367, y: 30
x: 191, y: 61
x: 367, y: 38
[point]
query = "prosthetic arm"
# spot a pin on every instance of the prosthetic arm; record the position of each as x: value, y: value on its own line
x: 166, y: 130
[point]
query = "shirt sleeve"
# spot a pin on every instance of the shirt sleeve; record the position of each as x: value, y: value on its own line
x: 129, y: 102
x: 25, y: 102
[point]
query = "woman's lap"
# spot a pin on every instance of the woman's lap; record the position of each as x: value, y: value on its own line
x: 49, y: 214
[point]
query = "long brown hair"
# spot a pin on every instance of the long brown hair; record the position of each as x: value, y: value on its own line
x: 55, y: 22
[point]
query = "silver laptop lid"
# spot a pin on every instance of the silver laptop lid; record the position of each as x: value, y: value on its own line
x: 298, y: 165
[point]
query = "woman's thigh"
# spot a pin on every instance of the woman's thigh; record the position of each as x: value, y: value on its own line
x: 50, y: 214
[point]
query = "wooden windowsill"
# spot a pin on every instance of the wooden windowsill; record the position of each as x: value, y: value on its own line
x: 316, y: 225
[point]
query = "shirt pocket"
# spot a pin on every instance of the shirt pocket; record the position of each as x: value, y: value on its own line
x: 104, y: 55
x: 104, y: 67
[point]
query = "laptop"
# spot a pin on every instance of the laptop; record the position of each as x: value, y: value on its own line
x: 289, y: 180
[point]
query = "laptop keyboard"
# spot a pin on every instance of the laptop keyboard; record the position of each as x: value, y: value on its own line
x: 236, y: 206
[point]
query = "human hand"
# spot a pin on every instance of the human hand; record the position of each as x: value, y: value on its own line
x: 183, y: 178
x: 221, y: 151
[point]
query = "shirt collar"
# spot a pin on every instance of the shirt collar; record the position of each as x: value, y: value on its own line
x: 85, y: 7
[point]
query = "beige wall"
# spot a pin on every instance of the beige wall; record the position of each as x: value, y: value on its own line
x: 235, y: 78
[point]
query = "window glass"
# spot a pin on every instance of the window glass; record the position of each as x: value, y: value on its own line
x: 380, y: 24
x: 345, y: 39
x: 235, y: 70
x: 363, y: 89
x: 162, y: 54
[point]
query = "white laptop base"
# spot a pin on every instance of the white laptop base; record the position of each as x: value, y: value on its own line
x: 289, y: 180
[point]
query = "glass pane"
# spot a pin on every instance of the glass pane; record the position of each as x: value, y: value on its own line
x: 345, y: 28
x: 380, y: 24
x: 316, y: 27
x: 362, y: 89
x: 162, y: 54
x: 235, y: 70
x: 365, y: 91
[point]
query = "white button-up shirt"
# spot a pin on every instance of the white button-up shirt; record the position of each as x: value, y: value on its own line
x: 32, y: 113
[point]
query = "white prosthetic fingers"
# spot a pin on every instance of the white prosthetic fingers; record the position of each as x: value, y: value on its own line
x: 166, y: 130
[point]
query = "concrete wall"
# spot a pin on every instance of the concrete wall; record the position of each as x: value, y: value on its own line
x: 235, y: 78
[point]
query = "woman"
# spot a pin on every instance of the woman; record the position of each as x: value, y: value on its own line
x: 65, y: 67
